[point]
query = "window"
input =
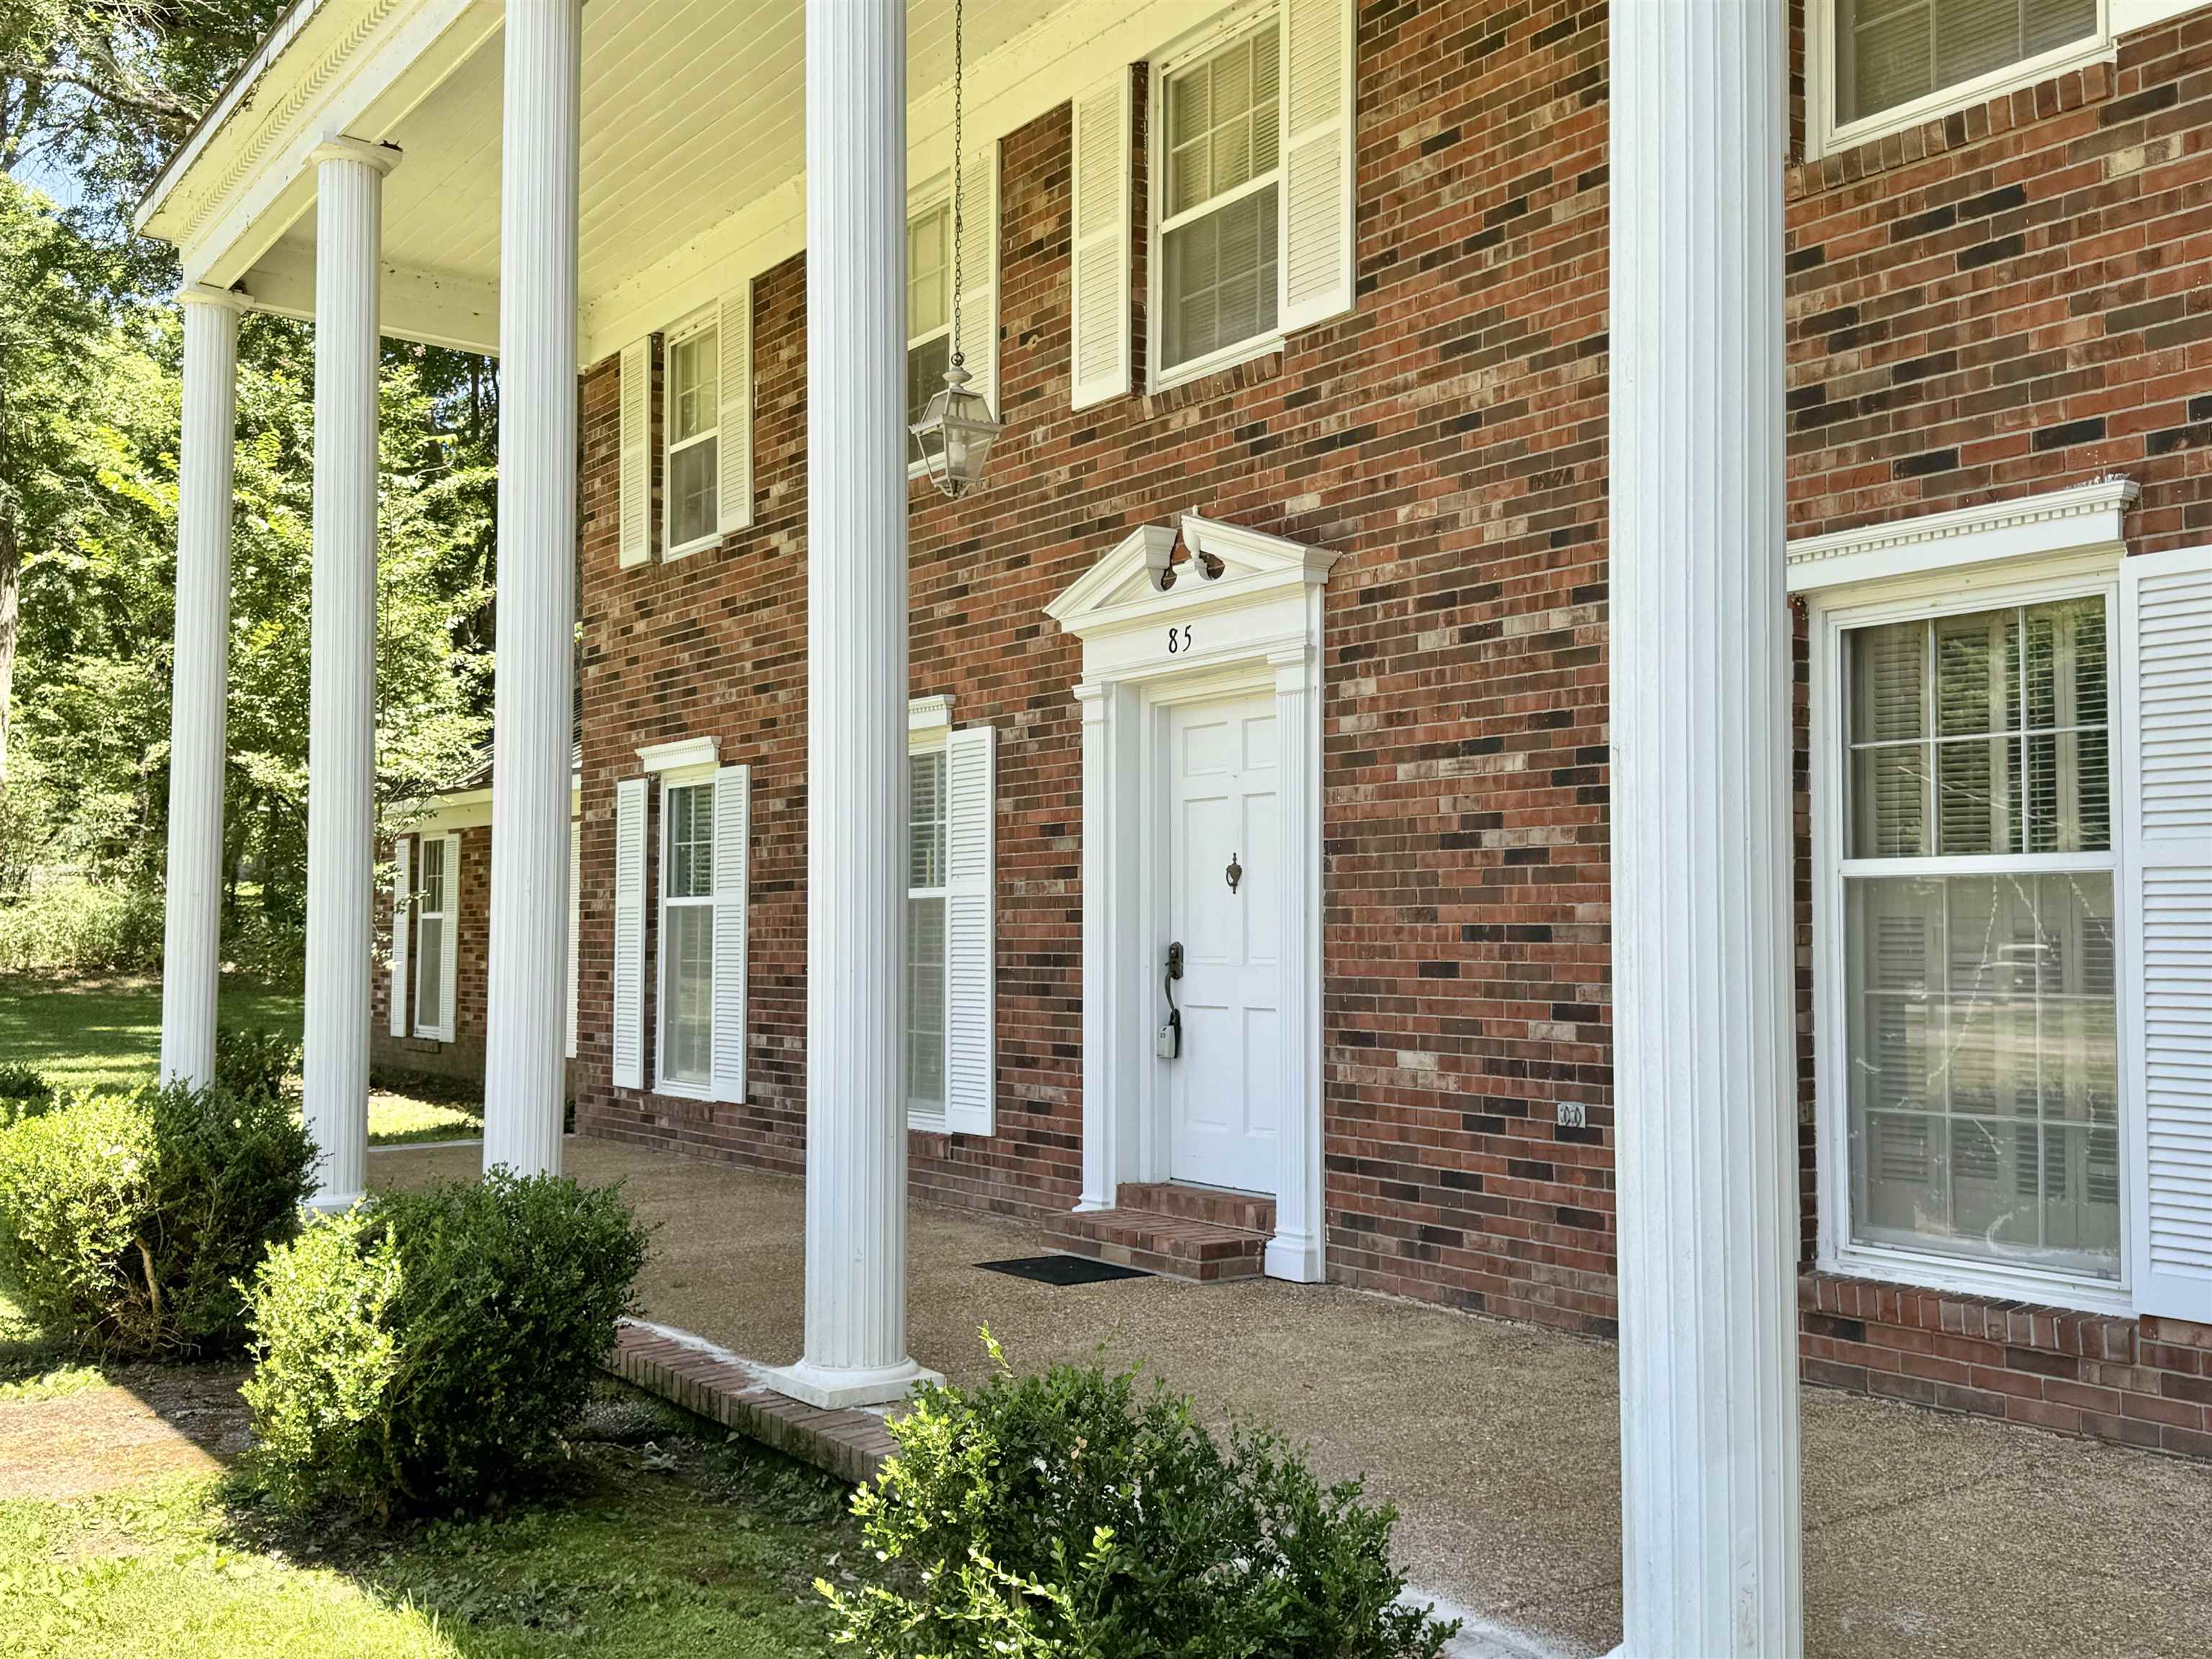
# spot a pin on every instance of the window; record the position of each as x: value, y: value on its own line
x: 1892, y: 62
x: 431, y: 939
x: 1980, y: 1031
x: 1218, y: 241
x: 925, y: 933
x: 687, y: 937
x: 694, y: 435
x: 928, y: 306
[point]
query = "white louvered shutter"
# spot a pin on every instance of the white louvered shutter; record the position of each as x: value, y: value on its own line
x: 449, y: 954
x: 970, y: 1063
x: 1317, y: 252
x: 732, y: 844
x: 575, y: 924
x: 633, y: 505
x: 979, y: 262
x: 2165, y: 917
x: 1100, y: 286
x: 629, y: 1037
x: 402, y: 933
x: 734, y: 458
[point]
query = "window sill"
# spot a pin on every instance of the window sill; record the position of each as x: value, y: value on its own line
x: 689, y: 548
x: 683, y: 1091
x: 1987, y: 1282
x: 1214, y: 362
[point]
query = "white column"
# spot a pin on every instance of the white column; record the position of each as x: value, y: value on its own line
x: 1702, y: 1060
x: 1103, y: 1170
x: 1295, y: 1251
x: 532, y: 714
x: 191, y: 944
x: 856, y: 596
x: 341, y: 662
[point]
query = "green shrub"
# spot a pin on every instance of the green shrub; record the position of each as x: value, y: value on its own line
x: 24, y: 1093
x: 1071, y: 1515
x: 126, y: 1219
x: 268, y: 948
x: 81, y: 926
x: 254, y: 1065
x: 423, y: 1351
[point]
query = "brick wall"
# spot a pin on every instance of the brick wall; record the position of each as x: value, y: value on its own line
x: 2012, y: 298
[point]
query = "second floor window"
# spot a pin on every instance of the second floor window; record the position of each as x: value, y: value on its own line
x: 1889, y: 53
x: 1218, y: 216
x: 928, y: 306
x: 694, y: 410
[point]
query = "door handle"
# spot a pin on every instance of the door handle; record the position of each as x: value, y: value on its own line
x: 1235, y: 872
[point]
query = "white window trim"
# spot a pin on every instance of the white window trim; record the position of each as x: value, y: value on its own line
x: 699, y: 322
x: 928, y: 199
x: 1958, y: 565
x: 680, y: 777
x: 1200, y: 44
x: 432, y: 1030
x: 928, y: 723
x: 1824, y: 137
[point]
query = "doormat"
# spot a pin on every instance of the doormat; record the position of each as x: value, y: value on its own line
x: 1063, y: 1269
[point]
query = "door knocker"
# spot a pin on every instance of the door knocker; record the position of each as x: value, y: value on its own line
x: 1236, y: 873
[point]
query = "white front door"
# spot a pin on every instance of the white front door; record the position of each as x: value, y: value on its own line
x: 1222, y: 806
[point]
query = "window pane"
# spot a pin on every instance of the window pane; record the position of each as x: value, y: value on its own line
x: 1220, y: 278
x: 1983, y: 1067
x: 925, y: 819
x: 691, y: 489
x: 693, y: 370
x: 691, y: 841
x: 925, y: 374
x: 928, y: 272
x: 1891, y: 51
x: 687, y: 1054
x: 429, y: 969
x: 1222, y: 116
x: 925, y: 1002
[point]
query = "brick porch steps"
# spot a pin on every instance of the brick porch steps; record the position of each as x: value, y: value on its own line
x: 1185, y: 1232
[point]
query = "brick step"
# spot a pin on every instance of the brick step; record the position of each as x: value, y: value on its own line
x: 1249, y: 1212
x: 1164, y: 1241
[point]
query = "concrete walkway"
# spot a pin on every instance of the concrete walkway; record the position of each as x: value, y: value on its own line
x: 1924, y: 1534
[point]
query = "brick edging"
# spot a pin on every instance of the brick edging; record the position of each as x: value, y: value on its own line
x: 690, y: 1372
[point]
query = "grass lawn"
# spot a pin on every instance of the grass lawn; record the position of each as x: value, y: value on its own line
x: 84, y: 1034
x: 659, y: 1537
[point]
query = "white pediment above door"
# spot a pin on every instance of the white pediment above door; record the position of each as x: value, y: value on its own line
x: 1233, y: 592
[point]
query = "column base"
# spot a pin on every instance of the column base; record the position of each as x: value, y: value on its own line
x: 332, y: 1203
x: 1296, y: 1257
x: 831, y: 1391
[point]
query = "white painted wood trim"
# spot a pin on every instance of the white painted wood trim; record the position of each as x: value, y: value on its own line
x: 1317, y: 261
x: 634, y: 487
x: 1098, y: 254
x: 970, y: 922
x: 730, y: 1032
x: 685, y: 753
x: 628, y: 1042
x: 2086, y: 517
x: 403, y: 932
x: 449, y: 958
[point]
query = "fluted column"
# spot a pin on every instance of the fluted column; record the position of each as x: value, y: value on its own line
x: 856, y: 598
x: 526, y: 1041
x: 192, y: 940
x: 341, y: 662
x: 1702, y: 965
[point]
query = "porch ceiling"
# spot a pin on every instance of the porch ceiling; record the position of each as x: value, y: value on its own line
x: 691, y: 110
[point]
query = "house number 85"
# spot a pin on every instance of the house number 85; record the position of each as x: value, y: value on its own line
x: 1178, y: 640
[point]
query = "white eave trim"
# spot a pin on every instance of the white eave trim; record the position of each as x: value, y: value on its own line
x: 2084, y: 517
x: 286, y: 30
x: 682, y: 757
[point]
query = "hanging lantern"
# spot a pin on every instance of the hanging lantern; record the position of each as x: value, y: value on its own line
x: 956, y: 426
x: 955, y: 433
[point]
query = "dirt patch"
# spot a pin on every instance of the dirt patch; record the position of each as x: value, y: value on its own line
x: 146, y: 1422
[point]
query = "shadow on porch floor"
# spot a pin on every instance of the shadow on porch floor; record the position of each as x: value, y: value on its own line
x: 1924, y: 1534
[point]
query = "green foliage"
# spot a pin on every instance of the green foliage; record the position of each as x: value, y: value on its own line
x: 423, y: 1353
x: 24, y: 1092
x: 254, y: 1064
x: 126, y: 1219
x: 81, y: 927
x: 1073, y: 1516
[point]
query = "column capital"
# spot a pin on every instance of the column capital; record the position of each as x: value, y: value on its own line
x: 204, y: 294
x: 339, y: 147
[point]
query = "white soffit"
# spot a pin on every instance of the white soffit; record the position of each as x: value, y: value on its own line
x: 2084, y: 518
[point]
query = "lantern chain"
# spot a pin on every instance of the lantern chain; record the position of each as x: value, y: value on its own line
x: 959, y: 141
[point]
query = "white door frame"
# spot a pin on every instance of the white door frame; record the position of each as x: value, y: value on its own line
x: 1252, y: 625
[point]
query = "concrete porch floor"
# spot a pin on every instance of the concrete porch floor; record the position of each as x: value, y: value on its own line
x: 1924, y: 1534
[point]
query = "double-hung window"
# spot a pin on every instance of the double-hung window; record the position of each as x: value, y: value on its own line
x: 1884, y: 64
x: 1979, y: 936
x: 687, y: 937
x: 928, y: 306
x: 693, y: 417
x: 432, y: 938
x: 1219, y: 234
x: 925, y: 934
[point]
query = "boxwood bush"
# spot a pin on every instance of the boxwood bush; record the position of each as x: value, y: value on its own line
x: 254, y: 1064
x: 1076, y: 1514
x: 126, y: 1220
x: 423, y: 1351
x: 24, y: 1093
